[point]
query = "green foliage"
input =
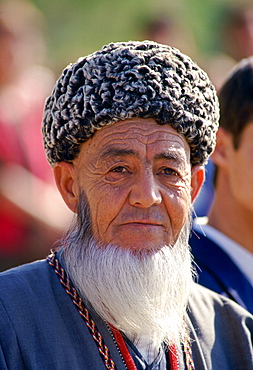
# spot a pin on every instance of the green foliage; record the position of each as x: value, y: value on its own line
x: 78, y: 27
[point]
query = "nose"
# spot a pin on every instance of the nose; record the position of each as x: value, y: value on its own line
x: 145, y: 191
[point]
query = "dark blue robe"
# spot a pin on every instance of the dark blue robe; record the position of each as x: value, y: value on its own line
x: 41, y: 328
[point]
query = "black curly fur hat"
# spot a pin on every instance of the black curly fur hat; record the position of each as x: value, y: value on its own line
x: 125, y: 80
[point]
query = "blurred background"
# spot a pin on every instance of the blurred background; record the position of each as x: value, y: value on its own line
x: 37, y: 40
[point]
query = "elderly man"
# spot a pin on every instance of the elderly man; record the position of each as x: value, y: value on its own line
x: 127, y: 131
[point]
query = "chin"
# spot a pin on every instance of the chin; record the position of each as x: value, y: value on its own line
x: 142, y: 247
x: 140, y: 243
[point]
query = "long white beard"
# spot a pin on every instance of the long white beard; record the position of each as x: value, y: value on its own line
x: 142, y: 294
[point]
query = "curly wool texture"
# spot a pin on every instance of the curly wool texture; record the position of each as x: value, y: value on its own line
x: 125, y: 80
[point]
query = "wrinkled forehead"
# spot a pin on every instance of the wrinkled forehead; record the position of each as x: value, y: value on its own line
x: 137, y: 137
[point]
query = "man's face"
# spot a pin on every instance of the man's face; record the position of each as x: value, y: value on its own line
x: 136, y: 176
x: 240, y: 170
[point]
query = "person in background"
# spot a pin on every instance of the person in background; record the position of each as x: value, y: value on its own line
x: 234, y: 43
x: 237, y: 31
x: 127, y: 131
x: 32, y: 215
x: 222, y: 242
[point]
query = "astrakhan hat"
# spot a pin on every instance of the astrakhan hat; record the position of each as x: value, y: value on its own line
x: 125, y: 80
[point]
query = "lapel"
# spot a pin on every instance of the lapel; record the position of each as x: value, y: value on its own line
x: 218, y: 272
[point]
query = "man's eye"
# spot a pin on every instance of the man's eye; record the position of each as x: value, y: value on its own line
x: 120, y: 169
x: 169, y: 171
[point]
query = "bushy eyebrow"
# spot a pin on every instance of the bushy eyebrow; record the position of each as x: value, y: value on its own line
x: 117, y: 152
x: 120, y: 152
x: 175, y: 157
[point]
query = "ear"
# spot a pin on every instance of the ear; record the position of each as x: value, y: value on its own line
x: 66, y: 181
x: 197, y: 180
x: 223, y: 144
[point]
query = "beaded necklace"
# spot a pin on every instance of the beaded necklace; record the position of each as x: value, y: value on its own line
x: 116, y: 335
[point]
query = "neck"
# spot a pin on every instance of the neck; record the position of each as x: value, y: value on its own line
x: 230, y: 217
